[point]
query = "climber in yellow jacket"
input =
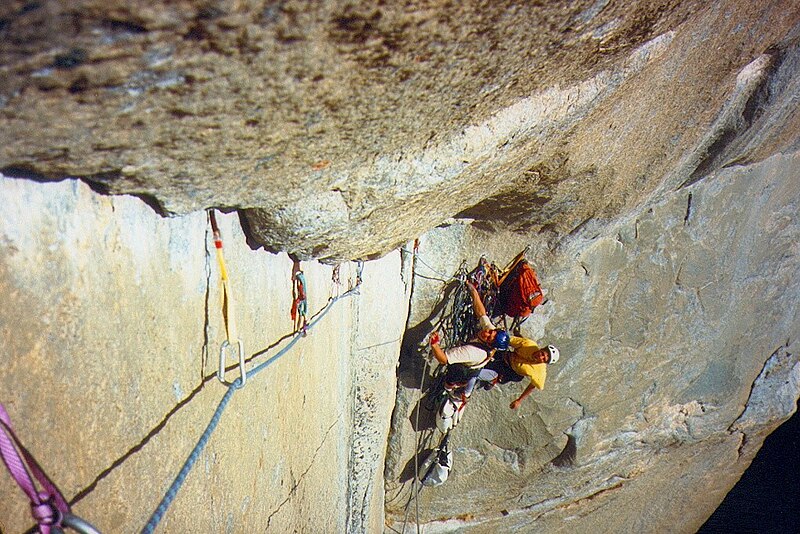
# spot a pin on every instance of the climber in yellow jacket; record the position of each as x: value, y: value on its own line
x: 527, y: 360
x: 524, y: 358
x: 495, y: 362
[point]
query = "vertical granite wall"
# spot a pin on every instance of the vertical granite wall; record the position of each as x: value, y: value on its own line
x: 678, y: 332
x: 111, y: 328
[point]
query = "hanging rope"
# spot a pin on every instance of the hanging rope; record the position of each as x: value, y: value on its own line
x: 212, y: 425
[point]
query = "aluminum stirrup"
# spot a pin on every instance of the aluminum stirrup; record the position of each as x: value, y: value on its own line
x: 239, y: 382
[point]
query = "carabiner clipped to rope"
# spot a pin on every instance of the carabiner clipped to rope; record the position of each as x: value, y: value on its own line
x: 227, y: 313
x: 75, y: 523
x: 359, y: 276
x: 239, y: 382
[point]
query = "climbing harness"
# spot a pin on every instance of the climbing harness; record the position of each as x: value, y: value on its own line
x: 451, y: 408
x: 48, y: 506
x: 232, y: 340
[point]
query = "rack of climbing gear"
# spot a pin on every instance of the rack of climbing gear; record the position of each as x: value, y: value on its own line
x: 232, y: 339
x: 48, y: 506
x: 299, y: 299
x: 513, y: 291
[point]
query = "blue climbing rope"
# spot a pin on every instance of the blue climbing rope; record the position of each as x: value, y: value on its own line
x: 172, y: 492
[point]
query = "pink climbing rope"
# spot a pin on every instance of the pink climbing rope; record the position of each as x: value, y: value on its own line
x: 48, y: 506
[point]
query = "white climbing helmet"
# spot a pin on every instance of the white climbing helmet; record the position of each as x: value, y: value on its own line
x: 554, y: 354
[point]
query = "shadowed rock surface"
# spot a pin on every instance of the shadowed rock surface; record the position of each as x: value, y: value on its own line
x: 349, y: 128
x: 646, y: 152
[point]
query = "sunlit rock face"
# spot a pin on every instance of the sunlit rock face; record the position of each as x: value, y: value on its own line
x: 646, y: 152
x: 348, y: 128
x: 678, y: 335
x: 111, y: 330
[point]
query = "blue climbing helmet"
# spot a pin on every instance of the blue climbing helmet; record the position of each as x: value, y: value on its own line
x: 501, y: 340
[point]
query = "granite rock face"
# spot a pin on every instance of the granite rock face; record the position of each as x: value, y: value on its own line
x: 111, y: 330
x: 648, y: 153
x: 348, y: 128
x: 678, y: 333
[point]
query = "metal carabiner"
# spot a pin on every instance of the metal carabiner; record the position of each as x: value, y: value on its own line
x: 221, y: 371
x: 75, y: 523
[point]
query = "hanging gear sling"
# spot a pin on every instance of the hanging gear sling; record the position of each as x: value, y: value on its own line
x: 299, y: 302
x: 436, y: 466
x: 228, y: 316
x: 48, y: 507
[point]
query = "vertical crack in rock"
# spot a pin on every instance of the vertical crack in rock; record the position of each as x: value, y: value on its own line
x: 407, y: 264
x: 206, y: 325
x: 412, y: 268
x: 351, y: 517
x: 296, y: 483
x: 139, y: 446
x: 688, y: 210
x: 365, y: 441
